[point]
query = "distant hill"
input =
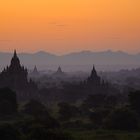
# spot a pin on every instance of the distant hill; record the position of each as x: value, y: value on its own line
x: 106, y: 60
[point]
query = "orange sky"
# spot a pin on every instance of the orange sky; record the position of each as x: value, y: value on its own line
x: 62, y: 26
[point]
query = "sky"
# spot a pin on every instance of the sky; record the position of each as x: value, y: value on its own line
x: 63, y: 26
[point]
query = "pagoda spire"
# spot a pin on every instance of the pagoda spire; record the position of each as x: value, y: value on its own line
x: 93, y: 73
x: 94, y: 78
x: 35, y: 71
x: 59, y: 69
x: 15, y: 62
x: 15, y: 53
x: 35, y: 68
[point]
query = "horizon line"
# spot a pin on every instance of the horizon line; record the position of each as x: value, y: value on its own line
x: 67, y: 53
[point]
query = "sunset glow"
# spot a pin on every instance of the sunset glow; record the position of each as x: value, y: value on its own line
x: 62, y: 26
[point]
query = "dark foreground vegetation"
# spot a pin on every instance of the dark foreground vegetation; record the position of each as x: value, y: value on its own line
x: 34, y: 121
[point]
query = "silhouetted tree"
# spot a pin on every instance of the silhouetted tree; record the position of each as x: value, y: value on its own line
x: 67, y: 111
x: 40, y: 133
x: 39, y: 113
x: 8, y: 132
x: 35, y: 108
x: 98, y: 116
x: 122, y: 119
x: 134, y: 100
x: 94, y: 101
x: 8, y: 102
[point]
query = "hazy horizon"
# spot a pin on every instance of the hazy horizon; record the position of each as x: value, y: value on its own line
x: 70, y: 52
x: 76, y: 61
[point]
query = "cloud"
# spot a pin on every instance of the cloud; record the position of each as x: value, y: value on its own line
x: 57, y: 24
x: 61, y: 25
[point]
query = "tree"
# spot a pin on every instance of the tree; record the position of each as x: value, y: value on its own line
x: 35, y: 108
x: 41, y: 133
x: 98, y: 116
x: 122, y: 119
x: 67, y: 111
x: 39, y: 113
x: 8, y: 102
x: 134, y: 100
x: 8, y: 132
x: 94, y: 101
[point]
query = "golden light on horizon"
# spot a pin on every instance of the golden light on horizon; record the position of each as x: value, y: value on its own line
x: 63, y: 26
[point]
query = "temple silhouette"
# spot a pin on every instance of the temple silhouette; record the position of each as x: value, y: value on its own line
x: 35, y: 72
x: 94, y: 79
x: 15, y: 77
x: 95, y: 84
x: 59, y: 73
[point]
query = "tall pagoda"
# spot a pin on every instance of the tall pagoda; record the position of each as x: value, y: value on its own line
x: 15, y: 76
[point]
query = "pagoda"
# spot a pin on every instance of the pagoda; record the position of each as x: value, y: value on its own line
x: 35, y: 72
x: 95, y: 84
x: 94, y: 79
x: 15, y: 76
x: 59, y: 72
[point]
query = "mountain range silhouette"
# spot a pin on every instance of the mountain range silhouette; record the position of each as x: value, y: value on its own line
x: 84, y: 58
